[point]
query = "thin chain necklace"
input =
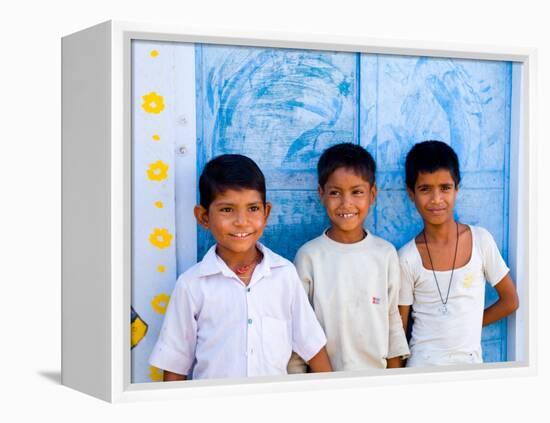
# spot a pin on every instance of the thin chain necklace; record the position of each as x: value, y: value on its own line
x: 443, y: 309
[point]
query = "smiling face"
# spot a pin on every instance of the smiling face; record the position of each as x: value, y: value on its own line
x: 347, y: 198
x: 236, y: 219
x: 434, y: 196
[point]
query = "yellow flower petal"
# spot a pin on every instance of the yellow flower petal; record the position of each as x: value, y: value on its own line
x: 153, y: 103
x: 159, y: 204
x: 157, y: 171
x: 161, y: 268
x: 154, y: 53
x: 161, y: 238
x: 160, y: 303
x: 139, y: 329
x: 155, y: 374
x: 156, y: 137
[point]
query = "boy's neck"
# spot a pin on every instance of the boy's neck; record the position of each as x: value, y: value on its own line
x: 346, y: 237
x: 441, y: 234
x: 234, y: 260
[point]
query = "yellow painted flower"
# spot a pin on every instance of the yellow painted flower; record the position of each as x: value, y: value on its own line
x: 156, y: 137
x: 159, y: 204
x: 153, y: 103
x: 161, y: 268
x: 157, y: 171
x: 155, y: 374
x: 161, y: 238
x: 139, y: 330
x: 154, y: 53
x: 160, y: 303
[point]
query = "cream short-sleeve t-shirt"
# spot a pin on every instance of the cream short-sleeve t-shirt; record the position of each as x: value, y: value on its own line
x: 451, y: 336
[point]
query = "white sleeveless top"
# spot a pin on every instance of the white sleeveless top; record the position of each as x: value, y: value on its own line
x: 454, y: 336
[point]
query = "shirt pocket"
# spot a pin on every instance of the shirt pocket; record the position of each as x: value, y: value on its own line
x: 276, y: 342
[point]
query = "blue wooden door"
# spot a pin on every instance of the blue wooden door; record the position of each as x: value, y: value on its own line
x: 284, y: 107
x: 464, y: 102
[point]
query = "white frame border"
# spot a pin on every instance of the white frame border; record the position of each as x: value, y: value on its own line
x: 522, y: 220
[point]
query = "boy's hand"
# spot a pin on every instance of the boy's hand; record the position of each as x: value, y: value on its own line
x: 170, y: 377
x: 394, y: 363
x: 320, y: 362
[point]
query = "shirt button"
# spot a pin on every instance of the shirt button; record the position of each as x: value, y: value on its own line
x: 247, y: 289
x: 249, y: 321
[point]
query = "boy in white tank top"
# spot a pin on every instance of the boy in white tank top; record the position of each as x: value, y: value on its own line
x: 444, y: 268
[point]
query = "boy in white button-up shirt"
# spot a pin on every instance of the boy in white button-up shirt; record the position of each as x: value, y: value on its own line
x: 241, y: 311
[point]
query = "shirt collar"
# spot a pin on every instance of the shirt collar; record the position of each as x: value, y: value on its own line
x: 269, y: 261
x: 211, y: 264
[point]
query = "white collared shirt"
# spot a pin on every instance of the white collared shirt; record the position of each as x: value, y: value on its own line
x: 216, y: 326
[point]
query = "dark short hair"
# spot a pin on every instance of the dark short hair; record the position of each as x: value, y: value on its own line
x: 349, y: 156
x: 229, y: 171
x: 428, y: 157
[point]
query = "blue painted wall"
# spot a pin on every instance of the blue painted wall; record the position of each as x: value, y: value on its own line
x: 284, y: 107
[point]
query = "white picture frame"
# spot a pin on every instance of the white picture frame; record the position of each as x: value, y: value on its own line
x: 96, y: 208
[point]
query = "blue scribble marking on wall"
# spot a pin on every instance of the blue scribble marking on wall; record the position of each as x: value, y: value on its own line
x: 289, y: 104
x: 284, y: 107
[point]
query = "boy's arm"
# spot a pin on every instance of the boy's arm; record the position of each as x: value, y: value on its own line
x: 320, y: 362
x: 396, y: 362
x: 307, y: 333
x: 405, y: 310
x: 406, y: 291
x: 495, y: 269
x: 174, y: 351
x: 507, y: 302
x: 302, y: 263
x: 170, y: 377
x: 397, y: 341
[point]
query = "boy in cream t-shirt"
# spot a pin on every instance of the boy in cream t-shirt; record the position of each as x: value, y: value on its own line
x: 351, y: 276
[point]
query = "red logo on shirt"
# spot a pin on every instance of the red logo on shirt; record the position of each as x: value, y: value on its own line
x: 375, y: 300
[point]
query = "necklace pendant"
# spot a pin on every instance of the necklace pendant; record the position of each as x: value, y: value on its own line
x: 444, y: 310
x: 243, y: 269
